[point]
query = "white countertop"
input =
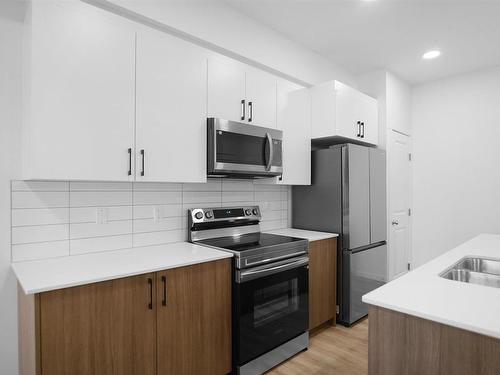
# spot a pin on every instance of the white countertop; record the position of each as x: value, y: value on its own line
x: 57, y: 273
x: 301, y: 233
x: 424, y: 294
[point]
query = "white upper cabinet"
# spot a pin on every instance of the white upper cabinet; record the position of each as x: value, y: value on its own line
x: 226, y: 89
x: 260, y: 98
x: 294, y: 118
x: 79, y: 81
x: 171, y: 109
x: 238, y: 92
x: 341, y: 111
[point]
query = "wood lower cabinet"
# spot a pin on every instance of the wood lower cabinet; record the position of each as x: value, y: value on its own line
x: 195, y: 310
x: 102, y: 328
x: 401, y: 344
x: 170, y: 322
x: 322, y: 281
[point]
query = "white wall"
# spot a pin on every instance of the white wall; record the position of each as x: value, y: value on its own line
x: 217, y: 25
x: 11, y: 16
x: 456, y: 173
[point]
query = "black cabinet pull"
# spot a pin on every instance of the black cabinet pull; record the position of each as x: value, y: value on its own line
x: 359, y: 129
x: 250, y: 110
x: 164, y: 282
x: 150, y: 283
x: 363, y: 131
x: 130, y: 162
x: 142, y: 154
x: 242, y: 109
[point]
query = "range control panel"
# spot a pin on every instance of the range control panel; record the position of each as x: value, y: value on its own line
x: 206, y: 215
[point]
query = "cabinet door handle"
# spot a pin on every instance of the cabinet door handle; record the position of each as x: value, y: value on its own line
x: 359, y: 129
x: 142, y: 154
x: 363, y: 130
x: 150, y: 283
x: 164, y: 282
x: 130, y: 162
x: 242, y: 109
x: 250, y: 111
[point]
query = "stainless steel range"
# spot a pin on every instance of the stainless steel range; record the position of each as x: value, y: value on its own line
x: 270, y: 285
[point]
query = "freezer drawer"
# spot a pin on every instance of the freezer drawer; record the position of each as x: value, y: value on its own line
x: 363, y: 272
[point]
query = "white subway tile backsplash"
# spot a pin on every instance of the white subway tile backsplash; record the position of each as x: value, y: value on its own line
x: 99, y: 186
x: 93, y: 245
x: 237, y: 196
x: 40, y: 186
x: 111, y: 228
x: 157, y: 186
x: 268, y: 196
x: 100, y: 198
x: 39, y: 233
x: 158, y: 238
x: 150, y: 225
x: 90, y: 214
x: 157, y: 197
x: 39, y: 216
x: 53, y: 218
x: 160, y: 211
x: 210, y: 185
x: 40, y: 250
x: 39, y: 199
x: 201, y: 196
x: 237, y: 185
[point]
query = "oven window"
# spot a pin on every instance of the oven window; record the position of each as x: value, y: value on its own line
x: 275, y: 301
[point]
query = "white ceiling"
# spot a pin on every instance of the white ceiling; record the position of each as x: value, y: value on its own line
x: 366, y: 35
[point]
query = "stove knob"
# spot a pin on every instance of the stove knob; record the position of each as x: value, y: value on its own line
x: 248, y: 212
x: 198, y: 215
x: 255, y: 211
x: 208, y: 214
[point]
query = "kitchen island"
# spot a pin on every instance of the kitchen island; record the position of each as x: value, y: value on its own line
x: 422, y: 323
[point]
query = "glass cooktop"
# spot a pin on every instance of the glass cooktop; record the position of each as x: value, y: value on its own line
x: 250, y: 241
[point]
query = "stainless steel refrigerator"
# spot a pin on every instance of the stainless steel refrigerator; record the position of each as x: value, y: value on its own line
x: 348, y: 196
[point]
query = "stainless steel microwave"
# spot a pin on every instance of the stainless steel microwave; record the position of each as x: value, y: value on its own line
x: 241, y: 150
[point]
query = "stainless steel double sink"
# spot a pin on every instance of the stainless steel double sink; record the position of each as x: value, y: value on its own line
x: 475, y: 270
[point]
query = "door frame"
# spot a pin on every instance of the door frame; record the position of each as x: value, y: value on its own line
x: 390, y: 134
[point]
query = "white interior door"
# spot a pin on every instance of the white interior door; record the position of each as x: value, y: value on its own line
x: 399, y: 203
x: 171, y: 109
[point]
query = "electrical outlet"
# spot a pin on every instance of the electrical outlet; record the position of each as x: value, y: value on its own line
x: 156, y: 214
x: 101, y: 215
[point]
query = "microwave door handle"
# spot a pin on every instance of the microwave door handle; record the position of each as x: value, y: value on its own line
x: 269, y: 140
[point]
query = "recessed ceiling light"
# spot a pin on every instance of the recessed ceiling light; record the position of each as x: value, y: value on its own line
x: 429, y: 55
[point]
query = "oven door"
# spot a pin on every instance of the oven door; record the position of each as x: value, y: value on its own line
x: 239, y: 149
x: 271, y: 307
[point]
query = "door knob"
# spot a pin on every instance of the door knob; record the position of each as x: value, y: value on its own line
x: 395, y: 222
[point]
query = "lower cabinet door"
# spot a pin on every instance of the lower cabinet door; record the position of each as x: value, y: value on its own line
x: 322, y: 281
x: 194, y: 319
x: 106, y: 328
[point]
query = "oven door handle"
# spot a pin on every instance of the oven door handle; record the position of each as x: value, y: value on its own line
x: 261, y: 272
x: 269, y: 140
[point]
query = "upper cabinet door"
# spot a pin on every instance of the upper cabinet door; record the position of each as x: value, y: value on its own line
x: 294, y: 118
x: 338, y: 110
x: 80, y: 80
x: 226, y: 89
x: 261, y: 98
x: 348, y: 103
x: 369, y: 118
x: 171, y: 109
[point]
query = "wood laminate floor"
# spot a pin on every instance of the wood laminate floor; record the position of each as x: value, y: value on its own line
x: 336, y: 350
